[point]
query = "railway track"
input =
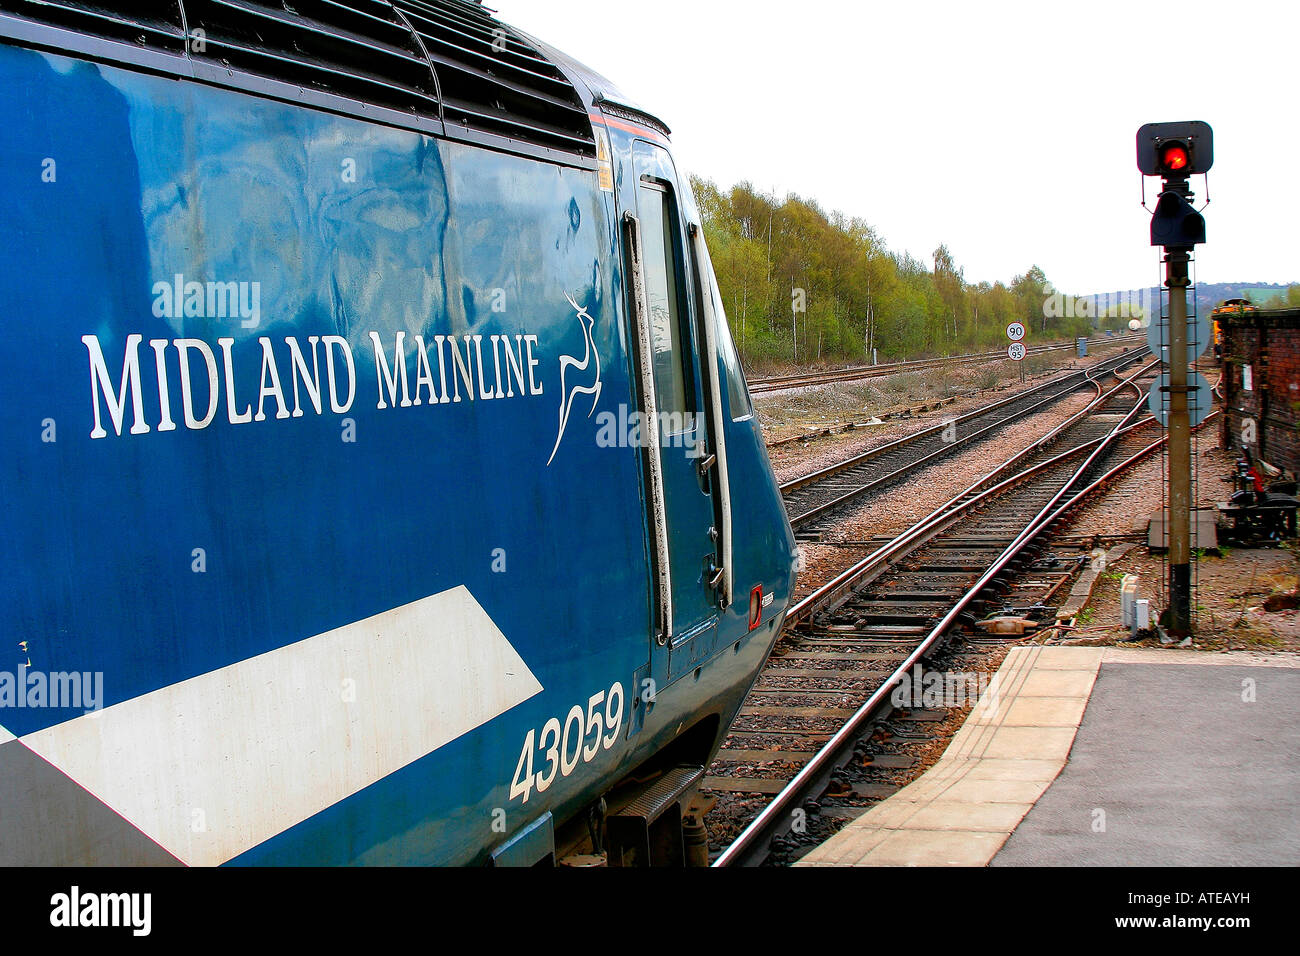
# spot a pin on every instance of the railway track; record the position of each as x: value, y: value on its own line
x: 812, y: 500
x: 776, y: 383
x: 810, y: 744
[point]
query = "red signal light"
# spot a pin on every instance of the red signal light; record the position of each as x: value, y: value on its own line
x: 1175, y: 151
x: 1173, y: 157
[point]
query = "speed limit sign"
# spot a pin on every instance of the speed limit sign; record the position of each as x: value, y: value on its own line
x: 1015, y: 331
x: 1015, y: 351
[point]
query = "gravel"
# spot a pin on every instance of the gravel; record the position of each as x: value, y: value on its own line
x: 1229, y: 588
x: 792, y: 413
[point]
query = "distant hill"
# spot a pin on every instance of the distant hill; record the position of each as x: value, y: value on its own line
x: 1208, y: 294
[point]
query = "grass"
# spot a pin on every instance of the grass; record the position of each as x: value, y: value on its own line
x: 1247, y: 634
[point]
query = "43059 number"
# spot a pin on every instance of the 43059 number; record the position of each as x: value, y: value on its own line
x: 564, y: 745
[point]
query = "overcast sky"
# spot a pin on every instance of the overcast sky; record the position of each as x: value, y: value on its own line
x: 1005, y: 130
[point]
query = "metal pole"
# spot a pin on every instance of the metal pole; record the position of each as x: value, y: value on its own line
x: 1180, y: 451
x: 794, y: 324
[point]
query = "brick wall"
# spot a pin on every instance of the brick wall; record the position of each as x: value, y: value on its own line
x: 1268, y: 341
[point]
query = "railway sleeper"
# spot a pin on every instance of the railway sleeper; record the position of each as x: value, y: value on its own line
x: 903, y: 596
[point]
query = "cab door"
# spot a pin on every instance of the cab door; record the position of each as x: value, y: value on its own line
x: 683, y: 428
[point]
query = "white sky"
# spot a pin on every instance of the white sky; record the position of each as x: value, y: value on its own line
x: 1006, y: 130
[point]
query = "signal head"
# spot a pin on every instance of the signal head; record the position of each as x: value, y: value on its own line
x: 1174, y: 157
x: 1175, y: 150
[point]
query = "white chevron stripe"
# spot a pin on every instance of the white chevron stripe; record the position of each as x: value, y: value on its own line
x: 5, y: 736
x: 217, y: 764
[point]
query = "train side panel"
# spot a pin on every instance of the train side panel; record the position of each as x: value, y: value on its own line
x: 698, y: 700
x: 305, y: 469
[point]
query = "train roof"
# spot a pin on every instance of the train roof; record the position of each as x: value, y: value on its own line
x: 447, y: 67
x: 601, y: 91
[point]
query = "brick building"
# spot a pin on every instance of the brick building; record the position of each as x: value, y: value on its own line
x: 1261, y: 377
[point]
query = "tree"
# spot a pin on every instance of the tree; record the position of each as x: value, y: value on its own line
x: 858, y: 295
x: 1031, y: 290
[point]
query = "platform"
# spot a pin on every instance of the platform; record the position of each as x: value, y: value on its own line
x: 1105, y: 756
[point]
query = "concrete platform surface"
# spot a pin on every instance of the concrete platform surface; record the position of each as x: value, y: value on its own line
x: 1175, y: 764
x: 1174, y: 758
x: 1012, y: 746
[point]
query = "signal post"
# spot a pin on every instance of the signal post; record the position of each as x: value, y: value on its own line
x: 1175, y: 151
x: 1180, y: 451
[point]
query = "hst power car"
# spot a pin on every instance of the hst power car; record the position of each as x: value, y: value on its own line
x: 380, y: 484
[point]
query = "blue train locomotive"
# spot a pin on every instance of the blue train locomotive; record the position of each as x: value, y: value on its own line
x: 380, y: 483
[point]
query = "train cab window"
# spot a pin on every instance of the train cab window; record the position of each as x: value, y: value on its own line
x: 737, y: 389
x: 659, y: 231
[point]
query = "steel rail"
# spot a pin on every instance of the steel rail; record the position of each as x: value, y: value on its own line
x: 800, y: 380
x: 805, y: 379
x: 1062, y: 376
x: 765, y: 824
x: 950, y: 510
x: 818, y: 510
x: 1063, y: 383
x: 934, y: 523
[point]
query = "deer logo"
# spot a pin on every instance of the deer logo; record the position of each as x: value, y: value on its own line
x: 570, y: 364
